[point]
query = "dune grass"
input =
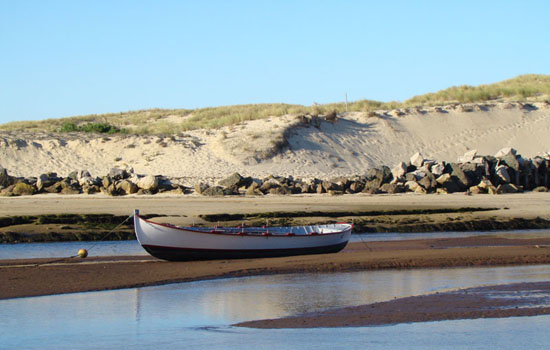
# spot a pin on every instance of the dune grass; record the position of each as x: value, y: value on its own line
x: 518, y: 88
x: 171, y: 121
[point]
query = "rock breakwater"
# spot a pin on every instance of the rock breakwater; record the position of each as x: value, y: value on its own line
x: 505, y: 172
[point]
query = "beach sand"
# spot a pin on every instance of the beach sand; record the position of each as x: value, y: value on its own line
x: 349, y: 146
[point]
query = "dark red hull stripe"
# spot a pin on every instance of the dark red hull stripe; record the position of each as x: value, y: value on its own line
x: 187, y: 254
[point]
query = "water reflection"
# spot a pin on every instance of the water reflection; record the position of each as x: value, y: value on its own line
x: 198, y: 313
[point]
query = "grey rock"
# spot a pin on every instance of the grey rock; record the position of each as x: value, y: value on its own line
x: 410, y: 177
x: 485, y: 184
x: 447, y: 181
x: 377, y: 177
x: 438, y: 168
x: 420, y: 190
x: 508, y: 188
x: 417, y: 160
x: 501, y: 171
x: 90, y: 189
x: 118, y: 174
x: 69, y: 187
x: 82, y: 173
x: 332, y: 186
x: 458, y: 175
x: 126, y: 187
x: 214, y: 191
x: 23, y: 189
x: 477, y: 190
x: 87, y: 181
x: 5, y: 179
x: 392, y: 188
x: 505, y: 151
x: 399, y: 170
x: 148, y: 182
x: 411, y: 185
x: 428, y: 183
x: 106, y: 181
x: 356, y: 186
x: 281, y: 190
x: 254, y: 190
x: 110, y: 190
x: 46, y: 180
x: 200, y: 187
x: 269, y: 184
x: 467, y: 157
x: 233, y: 180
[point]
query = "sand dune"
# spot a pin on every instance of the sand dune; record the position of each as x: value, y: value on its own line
x: 351, y: 145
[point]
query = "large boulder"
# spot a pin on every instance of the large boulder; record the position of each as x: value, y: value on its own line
x: 467, y: 157
x: 438, y: 168
x: 411, y: 185
x: 148, y: 182
x: 200, y: 187
x: 392, y: 188
x: 505, y: 151
x: 458, y: 176
x: 88, y: 181
x: 216, y: 191
x: 508, y: 188
x: 399, y: 170
x: 428, y: 182
x: 417, y: 160
x: 502, y: 174
x: 46, y: 180
x: 165, y: 184
x: 511, y: 160
x: 126, y: 187
x: 5, y: 179
x: 90, y: 189
x: 118, y: 174
x: 23, y: 189
x: 254, y: 189
x: 110, y: 190
x: 332, y: 186
x: 82, y: 173
x: 376, y: 177
x: 233, y: 180
x: 106, y: 181
x: 447, y: 182
x: 281, y: 190
x: 474, y: 171
x: 269, y: 184
x: 357, y: 186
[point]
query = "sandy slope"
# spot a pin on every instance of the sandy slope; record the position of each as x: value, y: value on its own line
x: 348, y: 146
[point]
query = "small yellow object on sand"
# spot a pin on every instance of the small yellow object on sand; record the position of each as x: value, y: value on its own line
x: 82, y: 253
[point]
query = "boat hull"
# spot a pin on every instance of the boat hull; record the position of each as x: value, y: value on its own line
x: 173, y: 243
x: 188, y: 254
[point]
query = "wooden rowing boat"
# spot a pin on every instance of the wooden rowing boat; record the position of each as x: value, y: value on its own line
x: 176, y: 243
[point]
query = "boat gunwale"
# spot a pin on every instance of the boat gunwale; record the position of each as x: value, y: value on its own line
x: 262, y: 235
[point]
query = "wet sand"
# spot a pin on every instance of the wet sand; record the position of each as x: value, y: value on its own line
x: 34, y: 277
x: 518, y: 299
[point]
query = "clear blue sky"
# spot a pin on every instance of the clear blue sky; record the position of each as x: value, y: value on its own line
x: 64, y: 58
